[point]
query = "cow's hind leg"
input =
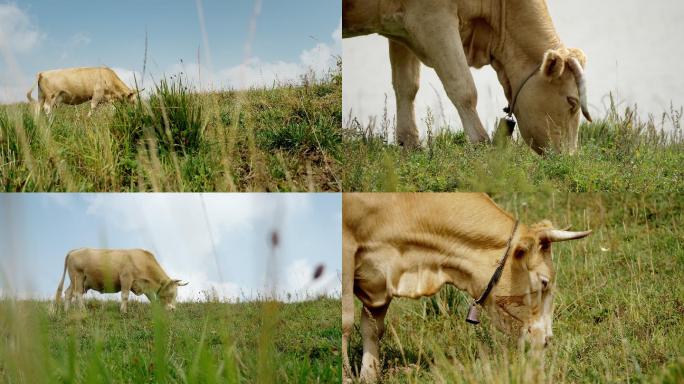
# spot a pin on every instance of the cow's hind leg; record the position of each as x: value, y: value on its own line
x: 78, y: 285
x: 52, y: 101
x: 68, y: 295
x: 372, y: 329
x: 47, y: 105
x: 406, y: 81
x: 38, y: 106
x: 435, y: 35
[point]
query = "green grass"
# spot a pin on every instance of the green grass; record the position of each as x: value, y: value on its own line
x: 619, y: 306
x: 617, y: 153
x: 256, y: 342
x: 283, y: 138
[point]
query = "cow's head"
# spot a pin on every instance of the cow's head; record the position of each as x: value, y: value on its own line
x: 522, y: 302
x: 548, y: 105
x: 132, y: 96
x: 168, y: 292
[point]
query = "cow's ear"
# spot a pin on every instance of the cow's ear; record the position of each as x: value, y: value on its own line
x: 553, y: 65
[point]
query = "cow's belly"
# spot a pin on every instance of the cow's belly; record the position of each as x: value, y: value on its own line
x: 384, y: 273
x: 100, y: 286
x: 419, y: 281
x: 74, y: 99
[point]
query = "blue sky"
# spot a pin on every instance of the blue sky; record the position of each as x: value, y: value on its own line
x: 37, y: 231
x: 289, y: 38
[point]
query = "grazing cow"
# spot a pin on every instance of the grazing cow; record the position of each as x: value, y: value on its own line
x: 542, y: 79
x: 75, y: 86
x: 410, y: 245
x: 117, y: 270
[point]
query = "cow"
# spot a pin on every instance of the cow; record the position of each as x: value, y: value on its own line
x: 75, y: 86
x: 116, y: 270
x: 542, y: 79
x: 410, y: 245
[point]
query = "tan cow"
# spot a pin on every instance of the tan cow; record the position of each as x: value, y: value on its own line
x: 75, y: 86
x: 410, y: 245
x: 542, y: 79
x: 117, y: 270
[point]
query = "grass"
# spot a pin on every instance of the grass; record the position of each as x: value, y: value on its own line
x: 209, y: 342
x: 619, y: 306
x: 283, y: 138
x: 617, y: 153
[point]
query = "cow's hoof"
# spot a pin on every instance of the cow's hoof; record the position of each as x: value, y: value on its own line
x: 410, y: 145
x: 368, y: 376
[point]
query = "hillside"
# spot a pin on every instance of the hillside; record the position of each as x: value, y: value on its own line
x: 198, y: 343
x: 284, y: 138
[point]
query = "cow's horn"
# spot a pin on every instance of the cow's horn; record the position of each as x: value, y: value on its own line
x: 552, y: 235
x: 181, y: 283
x: 576, y: 69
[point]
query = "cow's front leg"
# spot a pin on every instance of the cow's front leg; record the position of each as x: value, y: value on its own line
x: 406, y: 81
x: 98, y: 95
x: 124, y: 301
x: 349, y: 247
x: 126, y: 285
x: 372, y: 329
x: 435, y: 35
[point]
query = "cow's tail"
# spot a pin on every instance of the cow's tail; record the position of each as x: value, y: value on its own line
x: 28, y: 95
x: 58, y: 294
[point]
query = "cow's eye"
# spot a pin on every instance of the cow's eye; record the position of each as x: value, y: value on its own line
x: 574, y: 104
x: 545, y: 245
x: 544, y: 281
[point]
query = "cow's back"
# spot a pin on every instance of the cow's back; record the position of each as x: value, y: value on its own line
x: 136, y: 262
x: 367, y: 215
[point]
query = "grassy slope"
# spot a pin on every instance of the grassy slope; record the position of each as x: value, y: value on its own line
x: 618, y: 153
x: 619, y: 305
x: 286, y: 138
x: 198, y: 343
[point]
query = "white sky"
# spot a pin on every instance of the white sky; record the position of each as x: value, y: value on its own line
x: 37, y: 231
x: 633, y: 50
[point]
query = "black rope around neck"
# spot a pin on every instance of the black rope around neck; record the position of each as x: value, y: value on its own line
x: 473, y: 313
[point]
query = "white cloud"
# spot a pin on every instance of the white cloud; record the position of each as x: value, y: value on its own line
x: 129, y: 77
x: 337, y: 34
x: 18, y: 35
x: 60, y: 199
x: 79, y: 39
x: 17, y: 32
x: 256, y: 72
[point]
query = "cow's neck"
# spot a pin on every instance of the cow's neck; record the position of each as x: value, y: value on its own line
x: 463, y: 259
x: 522, y: 33
x: 448, y: 241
